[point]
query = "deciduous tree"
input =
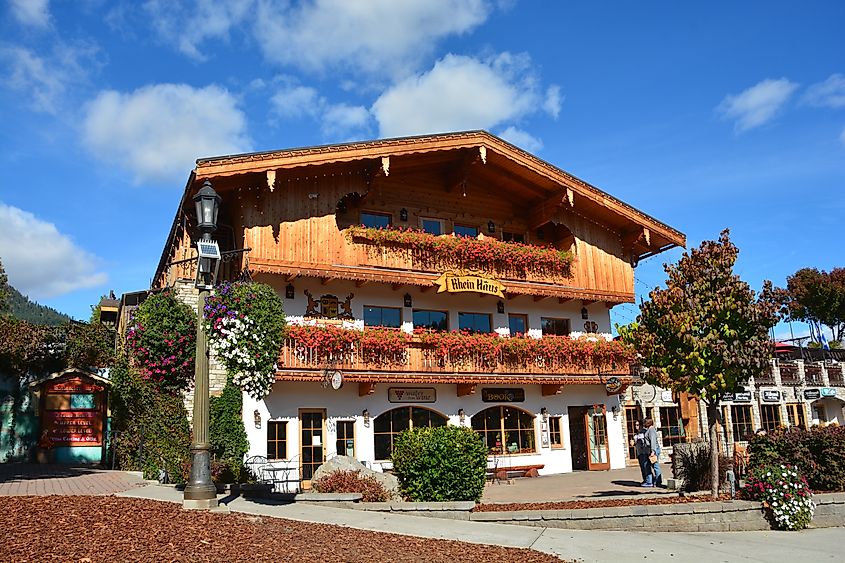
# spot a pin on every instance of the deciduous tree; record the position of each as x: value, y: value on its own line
x: 814, y: 295
x: 707, y: 332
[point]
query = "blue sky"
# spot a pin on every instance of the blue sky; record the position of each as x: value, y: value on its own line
x: 704, y: 115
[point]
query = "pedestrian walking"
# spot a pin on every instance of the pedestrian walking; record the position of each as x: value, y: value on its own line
x: 654, y: 477
x: 640, y: 448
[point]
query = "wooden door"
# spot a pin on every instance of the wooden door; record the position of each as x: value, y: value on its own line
x: 312, y: 443
x: 598, y: 455
x: 578, y: 437
x: 632, y: 416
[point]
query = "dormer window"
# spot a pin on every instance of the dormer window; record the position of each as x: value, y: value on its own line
x: 375, y: 220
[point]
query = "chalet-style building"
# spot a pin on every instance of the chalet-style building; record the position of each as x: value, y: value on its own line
x: 451, y: 232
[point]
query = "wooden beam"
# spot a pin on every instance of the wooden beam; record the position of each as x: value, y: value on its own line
x: 366, y: 388
x: 540, y: 297
x: 544, y: 211
x: 465, y: 389
x: 563, y: 300
x: 458, y: 176
x: 326, y: 281
x: 290, y: 277
x: 640, y: 235
x: 548, y: 389
x: 361, y: 283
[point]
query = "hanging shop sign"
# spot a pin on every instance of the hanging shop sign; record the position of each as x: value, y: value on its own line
x: 666, y: 396
x: 742, y: 397
x: 812, y: 394
x: 613, y: 385
x: 828, y: 392
x: 460, y: 282
x: 502, y: 395
x: 770, y: 395
x: 411, y: 395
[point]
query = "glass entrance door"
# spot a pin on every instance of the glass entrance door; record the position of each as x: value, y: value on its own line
x: 312, y: 443
x: 598, y: 456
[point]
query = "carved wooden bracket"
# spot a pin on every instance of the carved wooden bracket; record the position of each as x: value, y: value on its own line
x: 366, y: 388
x: 548, y: 389
x: 458, y: 176
x: 546, y: 210
x: 466, y: 389
x: 373, y: 170
x: 271, y: 179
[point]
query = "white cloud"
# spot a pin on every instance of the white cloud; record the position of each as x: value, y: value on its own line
x: 34, y: 13
x: 553, y: 101
x: 382, y: 37
x: 522, y: 139
x: 338, y: 121
x: 40, y: 261
x: 460, y: 93
x: 757, y: 105
x: 830, y: 93
x: 45, y: 80
x: 186, y: 25
x: 158, y: 131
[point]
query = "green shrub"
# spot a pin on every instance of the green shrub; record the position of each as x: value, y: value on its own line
x: 152, y: 426
x: 440, y: 464
x: 227, y: 434
x: 691, y: 463
x: 818, y: 453
x: 352, y: 482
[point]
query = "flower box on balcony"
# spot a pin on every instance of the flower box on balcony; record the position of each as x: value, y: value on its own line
x: 448, y: 251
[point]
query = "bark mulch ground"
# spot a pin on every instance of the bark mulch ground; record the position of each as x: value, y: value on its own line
x: 603, y: 503
x: 92, y: 529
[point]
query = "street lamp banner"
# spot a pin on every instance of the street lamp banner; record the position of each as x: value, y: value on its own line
x: 475, y: 282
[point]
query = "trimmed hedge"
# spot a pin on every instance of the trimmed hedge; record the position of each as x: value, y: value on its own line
x: 447, y: 463
x: 819, y: 454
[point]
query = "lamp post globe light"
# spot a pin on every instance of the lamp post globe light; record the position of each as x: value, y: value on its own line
x: 200, y: 491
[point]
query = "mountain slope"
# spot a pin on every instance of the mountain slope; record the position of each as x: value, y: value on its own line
x: 21, y: 307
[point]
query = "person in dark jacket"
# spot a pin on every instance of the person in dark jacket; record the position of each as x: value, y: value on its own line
x: 640, y: 448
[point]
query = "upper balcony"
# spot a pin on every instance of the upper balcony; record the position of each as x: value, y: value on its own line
x: 384, y: 354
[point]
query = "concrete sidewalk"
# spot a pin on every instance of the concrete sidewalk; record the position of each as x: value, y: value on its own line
x: 809, y: 545
x: 19, y: 479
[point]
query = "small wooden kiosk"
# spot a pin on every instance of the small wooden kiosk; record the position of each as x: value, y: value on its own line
x: 72, y: 415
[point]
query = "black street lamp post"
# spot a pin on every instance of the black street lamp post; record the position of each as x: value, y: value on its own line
x: 200, y: 492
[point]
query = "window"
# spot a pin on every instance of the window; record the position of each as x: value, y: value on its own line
x: 555, y: 435
x: 513, y: 237
x: 673, y: 426
x: 474, y: 322
x: 435, y: 320
x: 795, y: 414
x: 518, y: 324
x: 465, y: 231
x: 375, y: 220
x: 742, y: 423
x: 277, y: 439
x: 382, y: 316
x: 632, y: 416
x: 388, y: 425
x: 770, y: 417
x: 506, y: 430
x: 554, y: 327
x: 345, y: 444
x: 432, y: 226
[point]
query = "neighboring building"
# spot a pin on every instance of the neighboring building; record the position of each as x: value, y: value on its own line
x: 287, y: 217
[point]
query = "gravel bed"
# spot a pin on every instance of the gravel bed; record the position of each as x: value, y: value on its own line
x: 603, y: 503
x: 92, y: 529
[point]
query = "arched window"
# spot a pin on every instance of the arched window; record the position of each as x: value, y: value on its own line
x: 388, y: 425
x: 506, y: 430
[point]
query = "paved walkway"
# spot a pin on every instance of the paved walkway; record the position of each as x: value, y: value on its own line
x: 18, y: 479
x: 579, y: 485
x: 601, y: 546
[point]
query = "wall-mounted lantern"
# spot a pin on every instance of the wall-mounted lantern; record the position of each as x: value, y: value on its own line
x: 461, y: 416
x: 408, y: 302
x: 257, y: 416
x: 545, y: 414
x: 491, y: 227
x: 500, y: 307
x: 290, y: 291
x: 403, y: 214
x: 366, y: 414
x: 584, y: 313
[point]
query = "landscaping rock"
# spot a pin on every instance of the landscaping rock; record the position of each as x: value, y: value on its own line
x: 346, y: 463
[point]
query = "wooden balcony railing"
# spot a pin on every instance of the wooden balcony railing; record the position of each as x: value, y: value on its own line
x: 233, y: 263
x: 417, y: 358
x: 813, y: 375
x: 836, y: 376
x: 789, y: 374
